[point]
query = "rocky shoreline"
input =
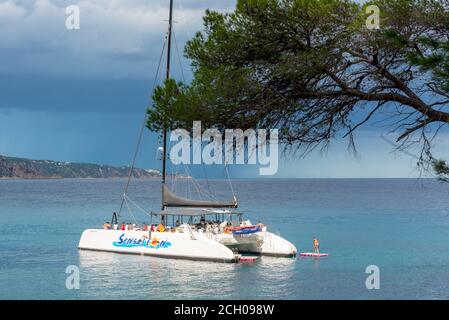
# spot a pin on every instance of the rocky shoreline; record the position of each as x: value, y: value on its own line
x: 20, y: 168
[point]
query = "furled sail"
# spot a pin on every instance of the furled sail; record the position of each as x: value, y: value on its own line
x: 172, y: 200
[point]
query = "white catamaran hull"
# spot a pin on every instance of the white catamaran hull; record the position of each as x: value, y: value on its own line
x: 263, y: 243
x: 192, y: 246
x: 272, y: 245
x: 164, y: 245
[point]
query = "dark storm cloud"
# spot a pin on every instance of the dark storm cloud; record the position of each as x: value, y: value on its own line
x: 106, y: 66
x: 73, y: 95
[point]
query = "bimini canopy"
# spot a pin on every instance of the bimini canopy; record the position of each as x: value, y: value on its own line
x: 171, y: 200
x: 191, y: 212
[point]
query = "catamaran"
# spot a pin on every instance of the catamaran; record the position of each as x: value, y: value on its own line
x: 187, y: 228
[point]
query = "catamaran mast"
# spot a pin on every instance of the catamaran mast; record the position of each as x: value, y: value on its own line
x: 164, y: 131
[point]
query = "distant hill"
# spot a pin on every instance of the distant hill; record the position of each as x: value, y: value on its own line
x: 46, y: 169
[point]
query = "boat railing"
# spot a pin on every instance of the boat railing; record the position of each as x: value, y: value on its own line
x: 209, y: 234
x: 189, y: 229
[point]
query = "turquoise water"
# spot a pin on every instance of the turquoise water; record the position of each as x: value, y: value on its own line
x: 402, y: 226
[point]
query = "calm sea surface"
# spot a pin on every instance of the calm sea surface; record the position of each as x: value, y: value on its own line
x: 401, y: 226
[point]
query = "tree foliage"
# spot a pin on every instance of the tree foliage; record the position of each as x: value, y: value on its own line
x: 312, y: 69
x: 441, y: 169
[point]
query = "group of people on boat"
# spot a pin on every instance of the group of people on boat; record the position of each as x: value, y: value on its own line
x: 206, y: 226
x: 210, y: 226
x: 134, y: 227
x: 214, y: 227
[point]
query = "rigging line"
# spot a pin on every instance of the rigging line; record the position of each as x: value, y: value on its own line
x: 130, y: 212
x: 179, y: 57
x: 198, y: 186
x: 175, y: 180
x: 229, y: 180
x: 173, y: 169
x: 211, y: 195
x: 139, y: 140
x: 137, y: 206
x: 169, y: 168
x: 193, y: 181
x: 187, y: 28
x: 172, y: 176
x: 207, y: 178
x: 186, y: 169
x: 189, y: 192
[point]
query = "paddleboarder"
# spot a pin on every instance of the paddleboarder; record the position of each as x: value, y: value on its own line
x: 316, y: 246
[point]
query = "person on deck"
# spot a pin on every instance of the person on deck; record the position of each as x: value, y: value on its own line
x: 145, y: 227
x: 160, y: 228
x: 202, y: 222
x: 316, y: 246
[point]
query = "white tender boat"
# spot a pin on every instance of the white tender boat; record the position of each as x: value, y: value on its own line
x: 199, y: 230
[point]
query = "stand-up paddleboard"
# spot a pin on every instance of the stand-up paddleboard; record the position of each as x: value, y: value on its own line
x: 311, y: 254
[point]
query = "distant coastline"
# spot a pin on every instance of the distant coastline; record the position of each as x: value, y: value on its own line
x: 21, y: 168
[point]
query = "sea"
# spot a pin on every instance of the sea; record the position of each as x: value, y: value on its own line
x: 396, y: 230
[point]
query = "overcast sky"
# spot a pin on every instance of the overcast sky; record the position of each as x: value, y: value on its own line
x: 80, y: 95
